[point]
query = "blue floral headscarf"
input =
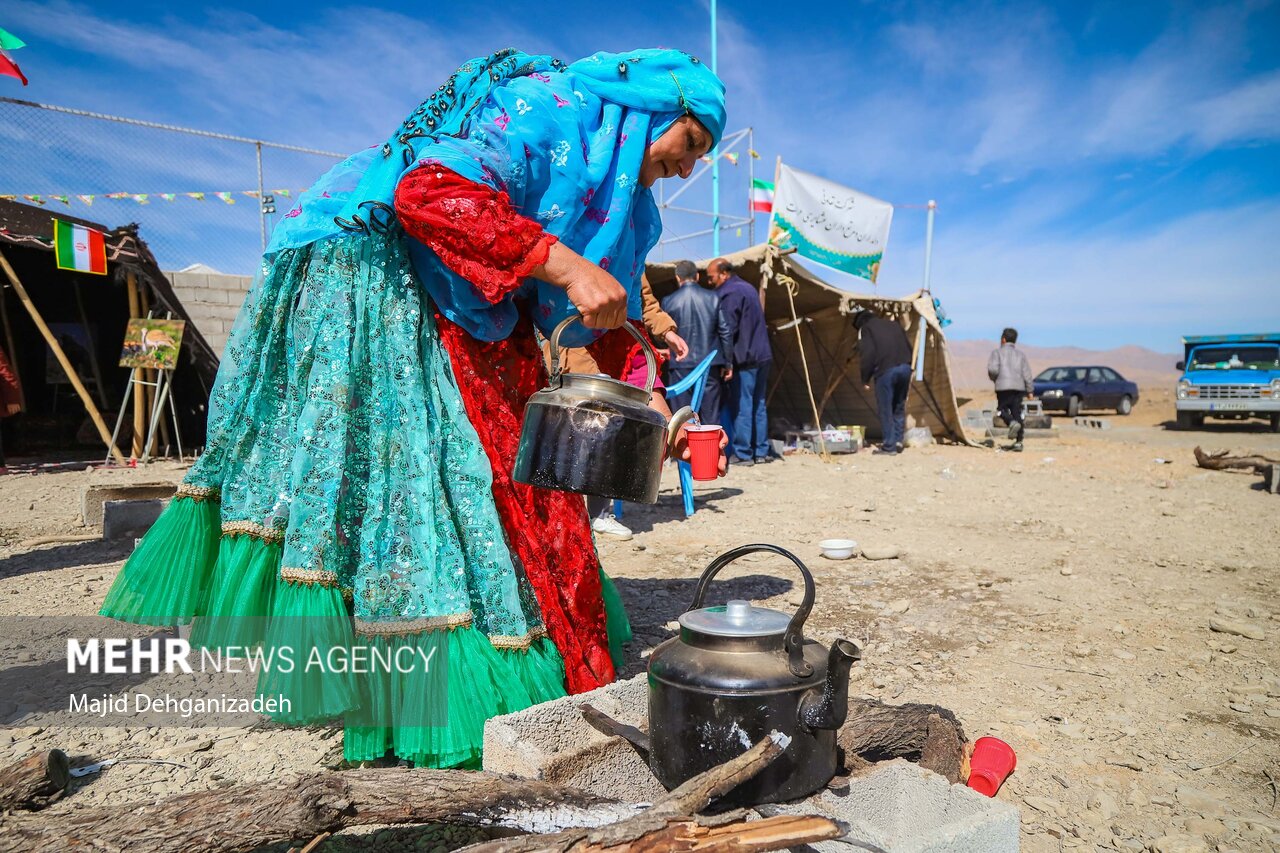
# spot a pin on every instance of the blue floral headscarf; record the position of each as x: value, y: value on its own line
x: 564, y: 142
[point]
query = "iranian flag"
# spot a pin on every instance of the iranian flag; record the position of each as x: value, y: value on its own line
x: 761, y: 196
x: 79, y: 248
x: 8, y: 67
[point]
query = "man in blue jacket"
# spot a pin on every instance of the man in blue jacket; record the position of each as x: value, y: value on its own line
x: 696, y: 311
x: 745, y: 341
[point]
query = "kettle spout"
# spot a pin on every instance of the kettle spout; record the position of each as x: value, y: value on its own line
x: 828, y: 710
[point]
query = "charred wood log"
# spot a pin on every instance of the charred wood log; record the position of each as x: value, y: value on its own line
x: 34, y: 782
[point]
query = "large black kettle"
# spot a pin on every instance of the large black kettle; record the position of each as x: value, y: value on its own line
x: 736, y: 673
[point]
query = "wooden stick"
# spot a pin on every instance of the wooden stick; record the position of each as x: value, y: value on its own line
x: 139, y: 425
x: 256, y: 815
x: 89, y: 405
x: 1220, y: 461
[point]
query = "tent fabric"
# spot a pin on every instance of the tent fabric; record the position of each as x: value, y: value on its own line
x: 26, y: 230
x: 830, y: 344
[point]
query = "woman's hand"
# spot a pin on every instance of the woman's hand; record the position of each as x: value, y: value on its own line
x: 678, y: 345
x: 598, y: 296
x: 684, y: 454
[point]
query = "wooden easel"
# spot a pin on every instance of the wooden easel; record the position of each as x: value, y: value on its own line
x: 140, y: 387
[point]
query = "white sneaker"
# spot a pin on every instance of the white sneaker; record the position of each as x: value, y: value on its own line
x: 606, y: 525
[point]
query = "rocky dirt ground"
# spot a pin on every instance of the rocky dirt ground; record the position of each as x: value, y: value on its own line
x: 1064, y: 599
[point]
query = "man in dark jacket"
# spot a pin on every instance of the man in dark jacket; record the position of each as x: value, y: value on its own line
x: 884, y: 354
x: 696, y: 311
x: 745, y: 341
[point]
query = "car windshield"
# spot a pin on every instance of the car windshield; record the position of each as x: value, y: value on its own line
x: 1062, y: 374
x: 1235, y: 358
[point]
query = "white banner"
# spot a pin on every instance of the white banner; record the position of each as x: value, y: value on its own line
x: 833, y: 225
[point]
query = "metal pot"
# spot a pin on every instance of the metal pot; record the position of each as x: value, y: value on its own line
x: 736, y: 673
x: 592, y: 434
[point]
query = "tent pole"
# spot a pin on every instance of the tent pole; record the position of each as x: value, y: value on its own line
x: 928, y: 243
x: 715, y: 155
x: 262, y: 209
x: 808, y: 383
x: 751, y: 182
x: 89, y: 405
x: 131, y: 282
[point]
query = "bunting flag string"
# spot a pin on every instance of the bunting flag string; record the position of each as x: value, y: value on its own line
x: 145, y: 198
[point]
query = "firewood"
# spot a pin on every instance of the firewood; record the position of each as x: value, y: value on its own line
x: 669, y: 823
x: 927, y: 734
x: 34, y: 782
x: 250, y: 816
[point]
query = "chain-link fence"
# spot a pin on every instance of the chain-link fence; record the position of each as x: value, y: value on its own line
x: 200, y: 197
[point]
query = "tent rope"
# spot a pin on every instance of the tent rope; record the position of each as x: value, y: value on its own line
x: 791, y: 286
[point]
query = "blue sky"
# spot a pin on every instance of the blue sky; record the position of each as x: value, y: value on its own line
x: 1105, y: 173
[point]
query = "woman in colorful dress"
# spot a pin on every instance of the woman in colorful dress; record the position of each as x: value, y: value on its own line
x: 356, y: 487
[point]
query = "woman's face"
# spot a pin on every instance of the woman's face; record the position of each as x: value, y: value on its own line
x: 675, y: 152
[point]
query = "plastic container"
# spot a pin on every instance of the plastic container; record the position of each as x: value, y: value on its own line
x: 838, y: 549
x: 704, y: 450
x: 992, y: 762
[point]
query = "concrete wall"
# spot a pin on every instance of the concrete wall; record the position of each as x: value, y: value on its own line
x: 213, y: 300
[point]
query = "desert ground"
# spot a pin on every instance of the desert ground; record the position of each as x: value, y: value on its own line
x: 1060, y: 599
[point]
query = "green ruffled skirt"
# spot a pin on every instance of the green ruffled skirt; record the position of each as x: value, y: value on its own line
x: 187, y: 568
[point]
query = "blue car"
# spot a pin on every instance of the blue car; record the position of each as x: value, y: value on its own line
x: 1073, y: 389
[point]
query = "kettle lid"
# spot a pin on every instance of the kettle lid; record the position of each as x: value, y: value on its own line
x: 738, y: 618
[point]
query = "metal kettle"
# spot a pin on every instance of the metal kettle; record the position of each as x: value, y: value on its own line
x: 592, y: 434
x: 737, y: 672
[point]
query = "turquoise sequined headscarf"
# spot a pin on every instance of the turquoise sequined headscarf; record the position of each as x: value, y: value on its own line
x: 565, y: 142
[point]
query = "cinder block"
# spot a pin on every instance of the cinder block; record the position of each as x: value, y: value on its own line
x: 93, y: 497
x: 903, y: 808
x: 130, y: 519
x: 552, y: 742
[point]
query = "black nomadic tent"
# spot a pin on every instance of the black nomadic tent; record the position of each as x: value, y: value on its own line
x: 86, y: 316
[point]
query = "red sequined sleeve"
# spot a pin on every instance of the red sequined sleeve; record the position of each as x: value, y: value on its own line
x: 472, y: 228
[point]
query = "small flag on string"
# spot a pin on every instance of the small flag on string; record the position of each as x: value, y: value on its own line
x: 249, y: 193
x: 755, y: 155
x: 226, y: 197
x: 141, y: 198
x: 116, y: 195
x: 9, y: 68
x: 284, y: 193
x: 9, y: 197
x: 761, y: 196
x: 196, y: 196
x: 168, y: 196
x: 62, y: 198
x: 87, y: 199
x: 731, y: 156
x: 34, y: 199
x: 78, y: 248
x: 706, y: 158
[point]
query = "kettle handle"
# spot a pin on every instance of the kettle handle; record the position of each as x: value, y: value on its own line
x: 651, y: 363
x: 793, y: 640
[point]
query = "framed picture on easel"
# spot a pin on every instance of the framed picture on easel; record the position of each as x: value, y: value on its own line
x: 152, y: 343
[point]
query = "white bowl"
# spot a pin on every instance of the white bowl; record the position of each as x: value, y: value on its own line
x: 838, y: 549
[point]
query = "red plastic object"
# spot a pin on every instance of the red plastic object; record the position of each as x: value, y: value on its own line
x: 704, y: 451
x: 992, y: 762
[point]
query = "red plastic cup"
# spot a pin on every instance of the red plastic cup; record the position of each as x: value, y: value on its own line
x: 992, y: 762
x: 704, y: 450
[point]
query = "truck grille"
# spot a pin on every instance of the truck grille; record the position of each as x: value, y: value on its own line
x: 1230, y: 392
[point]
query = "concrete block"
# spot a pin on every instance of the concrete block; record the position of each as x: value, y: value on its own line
x: 903, y: 808
x: 1092, y: 423
x: 552, y: 742
x: 92, y: 498
x: 130, y: 519
x: 1026, y: 433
